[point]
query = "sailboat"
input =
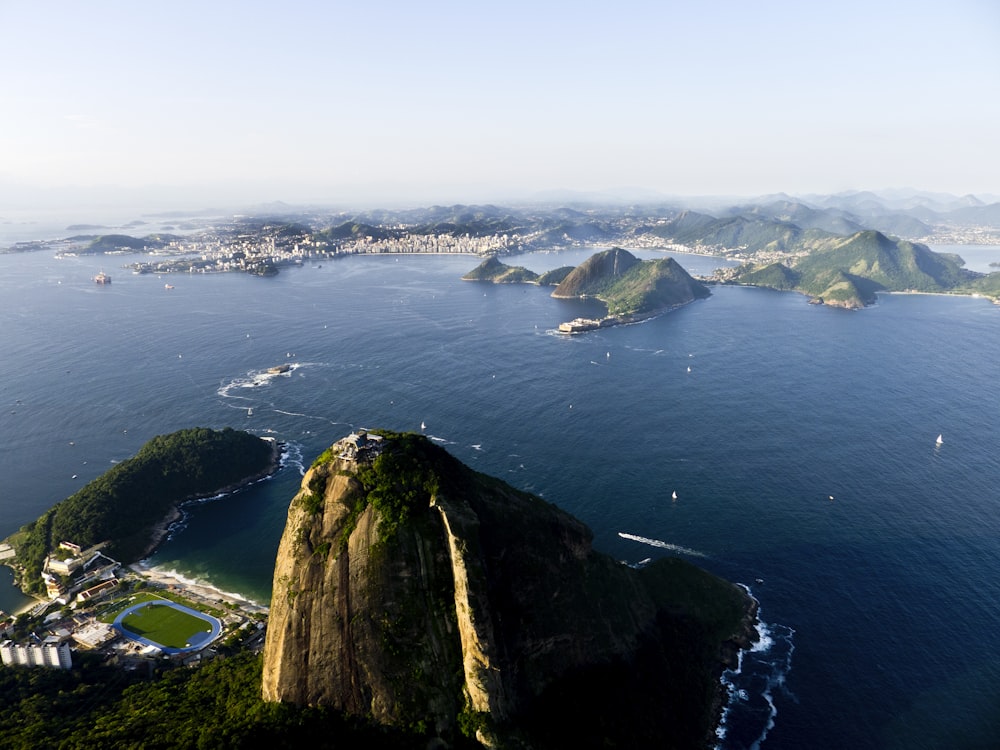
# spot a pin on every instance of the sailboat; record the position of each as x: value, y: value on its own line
x: 250, y: 412
x: 939, y: 440
x: 674, y: 496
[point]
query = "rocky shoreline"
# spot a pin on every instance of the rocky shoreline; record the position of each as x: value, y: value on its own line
x: 583, y: 325
x: 730, y: 652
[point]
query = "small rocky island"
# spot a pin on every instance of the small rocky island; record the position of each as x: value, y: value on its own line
x: 424, y: 596
x: 632, y: 289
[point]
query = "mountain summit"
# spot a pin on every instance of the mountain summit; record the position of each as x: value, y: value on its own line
x: 422, y: 595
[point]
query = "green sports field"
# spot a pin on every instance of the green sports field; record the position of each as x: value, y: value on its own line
x: 165, y: 625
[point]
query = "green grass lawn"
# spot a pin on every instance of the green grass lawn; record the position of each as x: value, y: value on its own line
x: 165, y: 625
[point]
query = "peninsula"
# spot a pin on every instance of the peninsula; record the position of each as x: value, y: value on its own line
x: 125, y: 511
x: 632, y: 289
x: 849, y: 272
x: 417, y: 593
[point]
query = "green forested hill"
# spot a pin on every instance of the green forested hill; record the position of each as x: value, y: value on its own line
x: 752, y: 233
x: 893, y: 264
x: 110, y: 242
x: 850, y: 271
x: 627, y: 285
x: 630, y: 286
x: 124, y: 504
x: 494, y: 270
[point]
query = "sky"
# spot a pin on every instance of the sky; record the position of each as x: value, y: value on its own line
x: 399, y: 101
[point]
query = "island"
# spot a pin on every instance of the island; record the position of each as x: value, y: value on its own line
x: 415, y: 593
x: 632, y: 289
x: 125, y: 512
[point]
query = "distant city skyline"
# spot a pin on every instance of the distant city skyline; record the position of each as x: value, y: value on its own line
x: 225, y: 103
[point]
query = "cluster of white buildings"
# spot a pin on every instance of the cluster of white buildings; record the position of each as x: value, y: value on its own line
x: 72, y: 571
x: 51, y: 652
x: 435, y: 243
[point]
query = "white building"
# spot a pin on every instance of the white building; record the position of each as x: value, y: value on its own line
x: 360, y: 446
x: 52, y: 652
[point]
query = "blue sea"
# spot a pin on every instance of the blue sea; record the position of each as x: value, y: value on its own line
x: 800, y: 442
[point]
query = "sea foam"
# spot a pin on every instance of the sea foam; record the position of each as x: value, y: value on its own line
x: 750, y: 712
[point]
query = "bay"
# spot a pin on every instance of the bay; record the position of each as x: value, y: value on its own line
x: 800, y: 441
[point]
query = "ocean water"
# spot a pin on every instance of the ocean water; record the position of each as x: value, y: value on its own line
x: 800, y: 442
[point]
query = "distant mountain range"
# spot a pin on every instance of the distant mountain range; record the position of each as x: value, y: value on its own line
x: 840, y: 248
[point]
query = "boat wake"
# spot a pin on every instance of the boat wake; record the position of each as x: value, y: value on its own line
x: 663, y: 545
x: 256, y: 379
x: 751, y: 711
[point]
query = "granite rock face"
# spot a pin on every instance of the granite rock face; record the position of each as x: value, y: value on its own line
x: 416, y: 592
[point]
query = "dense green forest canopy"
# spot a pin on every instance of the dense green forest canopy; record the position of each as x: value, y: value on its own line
x: 124, y: 504
x: 214, y: 706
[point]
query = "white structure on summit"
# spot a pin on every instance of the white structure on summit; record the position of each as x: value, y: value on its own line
x: 359, y: 446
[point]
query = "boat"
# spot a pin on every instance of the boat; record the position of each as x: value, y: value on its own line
x: 674, y: 496
x: 102, y: 278
x: 939, y: 440
x: 250, y: 412
x: 168, y: 286
x: 279, y: 369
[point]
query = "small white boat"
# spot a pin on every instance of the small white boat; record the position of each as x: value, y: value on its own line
x: 674, y: 496
x: 250, y: 412
x: 423, y: 426
x: 939, y: 440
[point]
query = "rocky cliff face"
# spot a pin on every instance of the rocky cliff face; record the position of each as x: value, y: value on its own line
x: 414, y: 591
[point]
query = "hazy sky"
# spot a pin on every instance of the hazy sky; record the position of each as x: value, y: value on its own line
x: 465, y: 101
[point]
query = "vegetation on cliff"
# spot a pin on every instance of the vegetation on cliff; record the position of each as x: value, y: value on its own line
x: 123, y: 505
x: 445, y: 603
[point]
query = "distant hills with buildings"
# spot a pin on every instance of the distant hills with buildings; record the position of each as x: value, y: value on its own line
x: 856, y: 243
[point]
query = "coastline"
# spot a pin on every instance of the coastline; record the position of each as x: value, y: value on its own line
x: 161, y: 531
x: 585, y: 325
x: 198, y: 591
x: 731, y: 651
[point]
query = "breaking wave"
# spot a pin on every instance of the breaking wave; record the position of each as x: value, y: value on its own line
x: 761, y: 674
x: 254, y: 379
